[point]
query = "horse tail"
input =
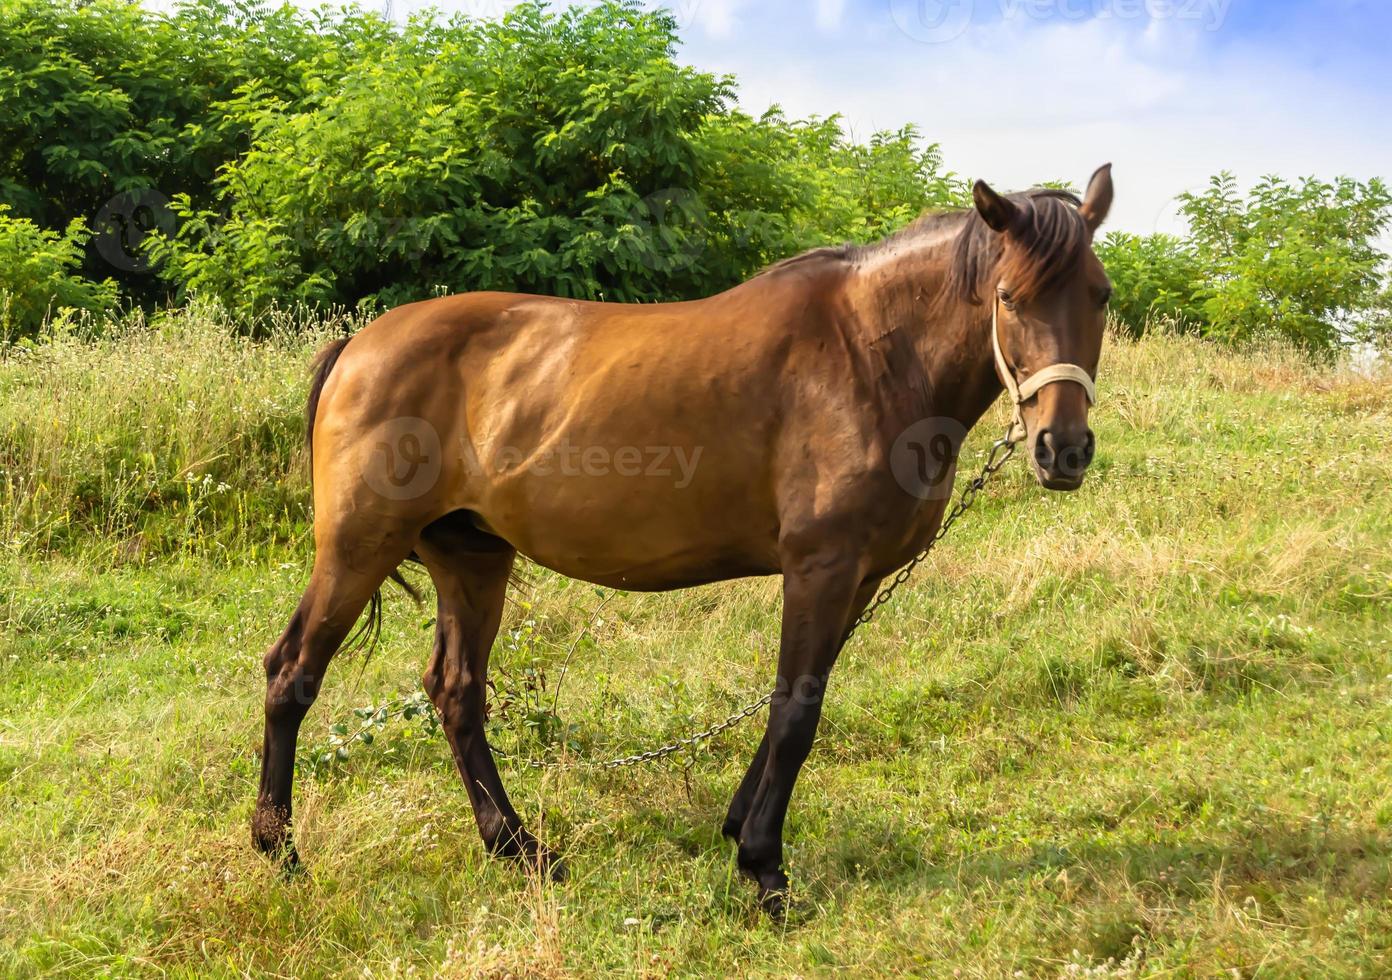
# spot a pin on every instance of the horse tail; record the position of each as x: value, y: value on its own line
x: 366, y: 635
x: 323, y: 365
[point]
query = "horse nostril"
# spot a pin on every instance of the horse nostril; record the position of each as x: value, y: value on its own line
x: 1074, y: 458
x: 1064, y: 456
x: 1044, y: 450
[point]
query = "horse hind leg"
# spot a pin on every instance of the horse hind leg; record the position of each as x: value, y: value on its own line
x: 343, y: 582
x: 471, y: 569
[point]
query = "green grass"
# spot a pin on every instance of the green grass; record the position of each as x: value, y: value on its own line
x: 1145, y: 729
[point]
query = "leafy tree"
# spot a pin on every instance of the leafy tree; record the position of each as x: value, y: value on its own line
x: 562, y: 153
x: 37, y: 279
x: 1153, y: 277
x: 271, y: 156
x: 1298, y: 258
x: 104, y: 100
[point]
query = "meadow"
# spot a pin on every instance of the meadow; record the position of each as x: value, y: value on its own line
x: 1140, y: 730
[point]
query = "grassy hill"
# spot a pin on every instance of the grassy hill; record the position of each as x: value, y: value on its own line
x: 1142, y: 729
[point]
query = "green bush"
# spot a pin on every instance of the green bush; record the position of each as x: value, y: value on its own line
x: 101, y: 101
x: 336, y: 158
x: 37, y: 280
x: 560, y: 153
x: 1154, y: 277
x: 268, y: 157
x: 1299, y: 260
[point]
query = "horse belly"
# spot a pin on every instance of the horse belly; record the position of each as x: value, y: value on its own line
x: 648, y: 520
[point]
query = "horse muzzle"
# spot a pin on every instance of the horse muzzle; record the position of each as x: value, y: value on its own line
x: 1061, y: 456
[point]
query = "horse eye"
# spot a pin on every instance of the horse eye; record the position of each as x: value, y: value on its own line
x: 1007, y: 299
x: 1106, y: 297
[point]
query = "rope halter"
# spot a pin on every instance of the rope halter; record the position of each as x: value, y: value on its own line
x: 1021, y: 393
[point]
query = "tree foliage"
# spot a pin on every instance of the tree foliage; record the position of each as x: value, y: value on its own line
x: 337, y: 158
x: 265, y: 156
x: 1300, y: 259
x: 563, y: 153
x: 38, y: 275
x: 1152, y: 277
x: 104, y: 99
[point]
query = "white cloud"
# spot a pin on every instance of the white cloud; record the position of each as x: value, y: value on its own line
x: 829, y: 14
x: 716, y: 18
x: 1020, y: 101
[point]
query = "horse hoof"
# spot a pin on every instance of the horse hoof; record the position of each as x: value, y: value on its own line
x: 290, y: 867
x: 278, y: 848
x: 554, y: 868
x: 543, y: 863
x: 773, y: 890
x: 531, y: 854
x: 774, y: 903
x: 286, y: 858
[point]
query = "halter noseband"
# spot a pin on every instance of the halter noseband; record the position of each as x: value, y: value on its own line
x: 1021, y: 393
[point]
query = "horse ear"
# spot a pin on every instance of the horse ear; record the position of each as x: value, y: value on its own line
x: 998, y: 212
x: 1098, y: 199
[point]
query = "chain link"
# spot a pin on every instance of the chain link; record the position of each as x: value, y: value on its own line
x: 665, y: 750
x: 1000, y: 454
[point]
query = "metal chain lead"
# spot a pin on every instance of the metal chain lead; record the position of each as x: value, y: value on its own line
x: 665, y: 750
x: 1000, y: 454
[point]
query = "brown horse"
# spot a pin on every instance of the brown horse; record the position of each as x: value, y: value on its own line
x: 761, y: 431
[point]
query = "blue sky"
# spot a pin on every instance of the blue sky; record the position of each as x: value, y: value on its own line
x: 1019, y: 91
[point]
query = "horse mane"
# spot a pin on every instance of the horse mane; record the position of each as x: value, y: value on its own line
x: 1049, y: 238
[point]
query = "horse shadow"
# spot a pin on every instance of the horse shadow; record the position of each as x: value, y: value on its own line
x: 1258, y: 858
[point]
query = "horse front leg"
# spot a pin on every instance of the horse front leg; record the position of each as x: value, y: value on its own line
x: 743, y: 798
x: 744, y: 795
x: 820, y: 595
